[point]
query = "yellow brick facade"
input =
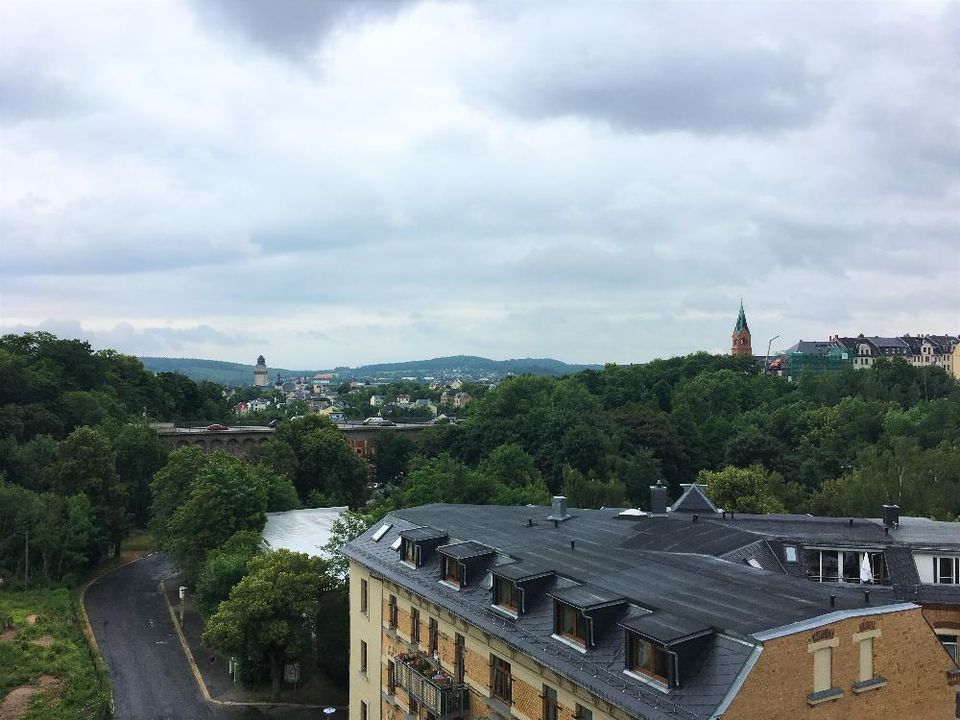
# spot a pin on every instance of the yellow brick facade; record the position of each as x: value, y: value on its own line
x: 782, y: 679
x: 383, y: 644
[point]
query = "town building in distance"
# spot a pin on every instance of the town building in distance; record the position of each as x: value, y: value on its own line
x: 861, y: 352
x: 468, y: 612
x: 740, y: 340
x: 260, y: 372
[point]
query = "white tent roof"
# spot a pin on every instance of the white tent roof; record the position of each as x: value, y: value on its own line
x: 305, y: 531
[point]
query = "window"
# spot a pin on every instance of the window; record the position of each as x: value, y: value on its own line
x: 791, y: 553
x: 647, y: 658
x: 451, y: 571
x: 822, y: 669
x: 501, y: 683
x: 950, y: 640
x: 391, y: 680
x: 381, y: 531
x: 551, y: 709
x: 409, y: 552
x: 414, y: 706
x: 825, y: 565
x: 415, y: 625
x: 946, y: 570
x: 363, y: 597
x: 821, y: 647
x: 583, y: 713
x: 569, y: 623
x: 506, y: 595
x: 392, y: 612
x: 363, y: 710
x: 363, y: 656
x: 459, y: 658
x: 433, y: 636
x: 866, y: 659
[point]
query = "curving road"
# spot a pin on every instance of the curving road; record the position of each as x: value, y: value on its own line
x: 151, y: 677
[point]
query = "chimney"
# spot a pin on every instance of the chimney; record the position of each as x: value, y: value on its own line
x: 658, y: 499
x: 559, y: 509
x: 891, y: 515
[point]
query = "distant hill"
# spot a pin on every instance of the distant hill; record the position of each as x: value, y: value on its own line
x: 470, y: 366
x: 465, y: 366
x: 225, y: 373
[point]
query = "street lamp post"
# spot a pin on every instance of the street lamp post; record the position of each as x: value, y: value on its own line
x: 766, y: 362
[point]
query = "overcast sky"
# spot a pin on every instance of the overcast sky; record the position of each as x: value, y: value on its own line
x: 334, y: 183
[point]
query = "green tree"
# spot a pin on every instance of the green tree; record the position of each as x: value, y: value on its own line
x: 589, y: 491
x: 170, y: 486
x: 228, y: 495
x: 746, y: 490
x: 223, y: 568
x: 346, y: 527
x: 140, y: 454
x: 272, y: 612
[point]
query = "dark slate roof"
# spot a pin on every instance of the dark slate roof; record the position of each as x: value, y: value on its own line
x: 663, y: 626
x: 464, y: 550
x: 586, y: 597
x: 520, y: 571
x: 812, y: 347
x: 678, y: 533
x: 423, y: 533
x: 681, y: 590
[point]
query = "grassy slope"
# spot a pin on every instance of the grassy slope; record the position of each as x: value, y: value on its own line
x: 67, y: 659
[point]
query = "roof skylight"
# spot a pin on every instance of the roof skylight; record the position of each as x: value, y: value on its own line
x: 381, y: 532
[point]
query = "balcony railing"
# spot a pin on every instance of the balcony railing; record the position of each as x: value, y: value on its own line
x: 429, y: 685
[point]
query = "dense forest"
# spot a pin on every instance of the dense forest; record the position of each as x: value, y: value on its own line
x: 839, y: 443
x: 76, y: 450
x: 80, y: 465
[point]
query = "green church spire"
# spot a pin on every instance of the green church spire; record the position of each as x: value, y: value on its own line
x: 741, y: 320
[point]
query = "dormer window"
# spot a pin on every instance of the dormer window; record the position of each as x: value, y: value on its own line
x: 506, y: 596
x: 409, y: 553
x: 451, y: 571
x: 461, y: 562
x: 647, y: 658
x: 570, y: 624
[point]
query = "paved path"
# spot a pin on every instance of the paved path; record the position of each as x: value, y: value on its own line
x: 151, y: 677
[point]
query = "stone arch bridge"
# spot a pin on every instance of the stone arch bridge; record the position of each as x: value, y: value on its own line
x: 240, y: 439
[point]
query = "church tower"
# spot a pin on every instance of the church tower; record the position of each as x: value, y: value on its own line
x: 260, y: 372
x: 741, y: 335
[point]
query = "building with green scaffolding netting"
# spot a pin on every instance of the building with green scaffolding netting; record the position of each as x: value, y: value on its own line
x: 816, y: 357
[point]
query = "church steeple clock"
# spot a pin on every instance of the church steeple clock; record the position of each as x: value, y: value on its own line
x: 741, y: 335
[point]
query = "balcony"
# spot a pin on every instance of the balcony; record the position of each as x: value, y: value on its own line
x: 429, y: 685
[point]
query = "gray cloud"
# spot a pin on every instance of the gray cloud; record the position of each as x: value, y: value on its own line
x: 293, y: 28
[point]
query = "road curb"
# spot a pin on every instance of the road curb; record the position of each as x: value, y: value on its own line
x: 199, y: 677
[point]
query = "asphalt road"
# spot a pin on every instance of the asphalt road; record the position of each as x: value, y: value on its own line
x: 150, y: 674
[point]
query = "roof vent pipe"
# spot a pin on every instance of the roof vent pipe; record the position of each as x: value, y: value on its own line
x: 851, y: 522
x: 556, y: 523
x: 886, y: 531
x: 696, y: 517
x: 833, y: 601
x: 571, y: 544
x: 866, y: 597
x: 529, y: 522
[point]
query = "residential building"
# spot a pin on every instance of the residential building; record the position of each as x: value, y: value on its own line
x: 689, y: 612
x: 377, y: 400
x: 403, y: 399
x: 817, y: 357
x: 919, y: 350
x: 260, y: 372
x: 740, y: 341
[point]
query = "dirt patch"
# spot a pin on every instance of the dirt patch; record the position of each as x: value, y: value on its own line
x: 33, y: 619
x: 17, y: 701
x: 8, y: 634
x: 43, y: 641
